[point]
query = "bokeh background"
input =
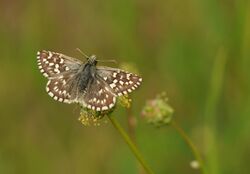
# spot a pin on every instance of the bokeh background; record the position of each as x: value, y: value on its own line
x: 198, y: 51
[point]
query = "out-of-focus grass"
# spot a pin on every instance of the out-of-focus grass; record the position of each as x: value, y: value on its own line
x: 173, y: 44
x: 210, y: 114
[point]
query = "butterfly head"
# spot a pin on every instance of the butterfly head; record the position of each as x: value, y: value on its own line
x: 92, y: 60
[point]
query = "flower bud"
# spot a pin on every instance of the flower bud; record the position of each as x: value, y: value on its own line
x: 89, y: 117
x: 157, y: 111
x: 124, y: 101
x: 194, y: 164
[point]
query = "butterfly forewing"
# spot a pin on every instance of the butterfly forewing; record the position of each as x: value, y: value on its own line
x: 120, y: 81
x: 51, y: 63
x: 99, y: 96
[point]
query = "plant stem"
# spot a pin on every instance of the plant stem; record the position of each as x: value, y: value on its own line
x: 131, y: 145
x: 131, y: 131
x: 190, y: 144
x: 131, y: 124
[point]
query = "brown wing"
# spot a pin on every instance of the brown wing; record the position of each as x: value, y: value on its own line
x: 120, y: 81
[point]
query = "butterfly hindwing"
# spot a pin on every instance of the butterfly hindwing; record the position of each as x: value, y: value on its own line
x: 99, y: 96
x: 59, y: 88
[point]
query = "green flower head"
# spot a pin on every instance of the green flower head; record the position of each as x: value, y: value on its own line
x: 157, y: 111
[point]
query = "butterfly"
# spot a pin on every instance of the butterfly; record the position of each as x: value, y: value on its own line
x: 72, y: 81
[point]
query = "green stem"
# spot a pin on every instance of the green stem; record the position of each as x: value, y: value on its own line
x: 190, y: 144
x: 131, y: 124
x: 131, y: 145
x: 131, y: 132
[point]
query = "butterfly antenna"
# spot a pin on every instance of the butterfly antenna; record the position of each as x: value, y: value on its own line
x: 80, y: 51
x: 112, y: 61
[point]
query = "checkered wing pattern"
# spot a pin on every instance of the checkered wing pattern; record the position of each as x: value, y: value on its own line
x: 121, y: 82
x: 69, y: 80
x: 60, y: 71
x: 51, y: 63
x: 99, y: 96
x: 59, y: 88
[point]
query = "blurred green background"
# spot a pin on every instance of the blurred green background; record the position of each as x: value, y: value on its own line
x: 198, y: 51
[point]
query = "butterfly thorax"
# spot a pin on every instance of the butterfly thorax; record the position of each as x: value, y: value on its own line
x: 86, y: 75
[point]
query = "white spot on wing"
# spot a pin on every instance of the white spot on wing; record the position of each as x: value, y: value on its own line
x: 128, y: 75
x: 100, y: 91
x: 45, y: 74
x: 112, y: 85
x: 66, y: 101
x: 51, y: 94
x: 51, y: 64
x: 50, y: 55
x: 104, y: 108
x: 56, y: 70
x: 111, y: 105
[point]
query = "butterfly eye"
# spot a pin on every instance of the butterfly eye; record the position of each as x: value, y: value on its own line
x: 93, y: 57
